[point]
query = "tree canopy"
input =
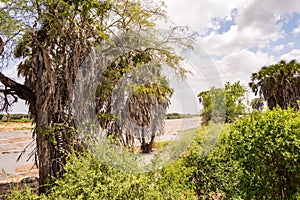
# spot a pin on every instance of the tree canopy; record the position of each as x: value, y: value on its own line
x: 51, y: 39
x: 278, y: 84
x: 223, y: 104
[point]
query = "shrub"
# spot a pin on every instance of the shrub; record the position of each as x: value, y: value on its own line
x: 267, y: 146
x: 86, y: 178
x: 215, y: 174
x: 257, y: 157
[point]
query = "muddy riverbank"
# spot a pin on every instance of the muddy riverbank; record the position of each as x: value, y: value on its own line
x: 14, y: 137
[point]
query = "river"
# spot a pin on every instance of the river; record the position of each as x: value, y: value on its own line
x: 13, y: 142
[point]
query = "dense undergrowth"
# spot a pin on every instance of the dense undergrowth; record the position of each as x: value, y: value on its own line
x: 257, y: 157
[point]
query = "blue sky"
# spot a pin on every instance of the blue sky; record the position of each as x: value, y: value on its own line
x: 239, y: 36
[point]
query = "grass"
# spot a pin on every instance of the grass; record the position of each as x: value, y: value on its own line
x: 161, y: 145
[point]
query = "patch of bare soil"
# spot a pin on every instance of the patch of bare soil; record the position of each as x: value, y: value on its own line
x: 13, y: 126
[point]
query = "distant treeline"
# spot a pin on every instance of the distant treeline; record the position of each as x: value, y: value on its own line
x: 180, y: 116
x: 14, y: 117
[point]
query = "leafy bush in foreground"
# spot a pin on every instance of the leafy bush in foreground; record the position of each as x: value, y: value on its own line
x: 215, y: 175
x: 257, y: 157
x: 86, y: 178
x: 267, y: 146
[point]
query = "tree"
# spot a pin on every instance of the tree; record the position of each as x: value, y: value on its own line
x: 213, y: 105
x: 235, y: 94
x: 146, y: 96
x: 257, y: 104
x: 52, y: 39
x: 223, y: 104
x: 278, y: 84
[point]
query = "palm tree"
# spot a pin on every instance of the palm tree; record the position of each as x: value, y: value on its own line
x: 257, y: 104
x: 278, y: 84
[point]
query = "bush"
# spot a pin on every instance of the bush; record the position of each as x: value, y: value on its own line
x: 87, y: 178
x: 215, y: 174
x: 23, y: 118
x: 267, y: 146
x: 257, y: 157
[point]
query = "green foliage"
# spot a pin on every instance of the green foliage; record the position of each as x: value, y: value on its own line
x: 180, y: 116
x: 22, y: 118
x: 257, y: 104
x: 161, y: 145
x: 267, y: 146
x: 278, y: 84
x: 257, y: 157
x: 223, y: 104
x: 215, y: 174
x: 235, y: 94
x: 87, y: 178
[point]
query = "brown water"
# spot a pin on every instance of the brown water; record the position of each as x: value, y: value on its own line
x: 12, y: 143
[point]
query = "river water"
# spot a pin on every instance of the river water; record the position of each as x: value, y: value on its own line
x: 12, y: 143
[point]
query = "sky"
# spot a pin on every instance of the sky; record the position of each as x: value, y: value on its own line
x: 241, y: 36
x: 237, y: 36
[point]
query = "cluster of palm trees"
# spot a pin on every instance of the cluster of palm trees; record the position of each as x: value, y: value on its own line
x: 278, y: 84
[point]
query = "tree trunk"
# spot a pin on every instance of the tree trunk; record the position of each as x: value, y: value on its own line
x: 52, y: 121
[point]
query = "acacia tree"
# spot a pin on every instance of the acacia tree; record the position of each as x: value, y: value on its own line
x: 52, y: 39
x: 278, y: 84
x: 218, y: 100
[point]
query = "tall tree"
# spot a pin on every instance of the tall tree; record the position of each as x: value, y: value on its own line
x: 235, y: 94
x: 278, y: 84
x: 223, y: 104
x: 137, y: 109
x: 52, y: 39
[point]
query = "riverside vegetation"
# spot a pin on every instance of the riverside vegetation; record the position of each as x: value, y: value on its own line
x: 257, y: 157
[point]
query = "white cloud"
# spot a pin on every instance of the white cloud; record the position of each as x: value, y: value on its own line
x: 240, y: 65
x: 241, y: 50
x: 291, y: 44
x: 279, y: 47
x: 198, y: 14
x: 258, y: 23
x: 237, y: 39
x: 296, y: 30
x: 294, y: 54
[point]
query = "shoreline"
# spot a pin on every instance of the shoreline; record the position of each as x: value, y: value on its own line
x: 15, y: 126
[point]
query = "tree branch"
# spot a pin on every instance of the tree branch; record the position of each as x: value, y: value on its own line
x: 20, y: 90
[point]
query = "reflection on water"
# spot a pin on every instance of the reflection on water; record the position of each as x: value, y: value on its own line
x: 12, y: 143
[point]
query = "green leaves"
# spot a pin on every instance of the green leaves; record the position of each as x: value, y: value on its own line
x: 257, y: 157
x: 267, y: 145
x: 223, y: 105
x: 87, y: 178
x: 278, y: 84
